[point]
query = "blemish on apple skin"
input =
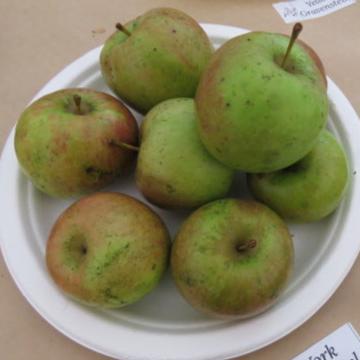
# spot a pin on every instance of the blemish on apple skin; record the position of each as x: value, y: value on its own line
x: 93, y: 171
x: 170, y: 189
x: 173, y: 31
x: 260, y: 176
x: 154, y: 49
x: 108, y: 294
x: 189, y: 281
x: 89, y: 170
x: 227, y: 104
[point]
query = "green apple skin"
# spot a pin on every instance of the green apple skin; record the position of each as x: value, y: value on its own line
x: 66, y: 154
x: 310, y: 189
x: 174, y: 170
x: 107, y: 250
x: 218, y: 279
x: 162, y: 59
x: 254, y: 115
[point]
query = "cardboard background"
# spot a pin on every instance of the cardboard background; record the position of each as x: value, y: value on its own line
x: 38, y: 38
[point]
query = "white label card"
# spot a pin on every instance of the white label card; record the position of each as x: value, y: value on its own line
x: 342, y: 344
x: 299, y: 10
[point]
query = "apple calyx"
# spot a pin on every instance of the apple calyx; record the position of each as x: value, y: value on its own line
x: 122, y: 28
x: 294, y: 35
x: 250, y: 244
x: 83, y: 249
x: 123, y: 145
x: 77, y: 101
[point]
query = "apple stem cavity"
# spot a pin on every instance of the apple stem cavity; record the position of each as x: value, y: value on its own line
x: 250, y: 244
x: 294, y: 35
x: 77, y: 101
x: 123, y: 145
x: 122, y: 28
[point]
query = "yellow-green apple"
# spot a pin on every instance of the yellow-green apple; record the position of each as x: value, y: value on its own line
x: 311, y: 188
x: 159, y: 55
x: 232, y: 258
x: 262, y: 103
x: 174, y: 169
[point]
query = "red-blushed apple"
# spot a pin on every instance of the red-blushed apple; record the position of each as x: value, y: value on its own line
x: 107, y: 250
x: 75, y: 141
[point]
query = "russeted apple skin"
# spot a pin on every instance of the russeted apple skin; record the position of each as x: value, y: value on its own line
x: 254, y: 115
x: 217, y: 279
x: 162, y: 59
x: 174, y: 170
x: 66, y: 154
x: 310, y: 189
x: 107, y: 250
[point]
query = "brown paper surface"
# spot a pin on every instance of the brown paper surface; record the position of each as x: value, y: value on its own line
x: 38, y: 38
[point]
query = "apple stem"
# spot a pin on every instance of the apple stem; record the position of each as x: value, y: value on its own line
x: 123, y: 29
x: 77, y: 101
x: 294, y: 35
x: 246, y: 246
x: 124, y: 145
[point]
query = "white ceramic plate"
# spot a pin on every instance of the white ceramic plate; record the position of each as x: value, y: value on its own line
x: 163, y: 325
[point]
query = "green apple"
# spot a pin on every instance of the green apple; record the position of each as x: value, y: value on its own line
x: 311, y: 188
x: 107, y: 250
x: 232, y: 258
x: 173, y: 168
x: 260, y: 110
x: 158, y: 56
x: 74, y: 141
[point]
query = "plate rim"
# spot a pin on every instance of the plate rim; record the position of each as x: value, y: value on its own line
x: 345, y: 107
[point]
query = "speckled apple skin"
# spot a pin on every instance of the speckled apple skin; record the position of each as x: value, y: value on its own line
x: 217, y: 279
x: 163, y: 58
x: 254, y: 115
x: 107, y: 250
x: 174, y: 170
x: 65, y: 154
x: 310, y: 189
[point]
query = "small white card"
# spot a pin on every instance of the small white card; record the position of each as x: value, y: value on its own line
x: 299, y: 10
x: 342, y: 344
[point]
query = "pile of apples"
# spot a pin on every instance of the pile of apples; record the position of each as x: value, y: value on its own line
x: 257, y: 105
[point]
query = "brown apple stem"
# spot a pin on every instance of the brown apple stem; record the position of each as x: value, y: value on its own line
x: 123, y: 29
x: 294, y: 35
x: 246, y: 246
x: 124, y: 145
x: 77, y: 101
